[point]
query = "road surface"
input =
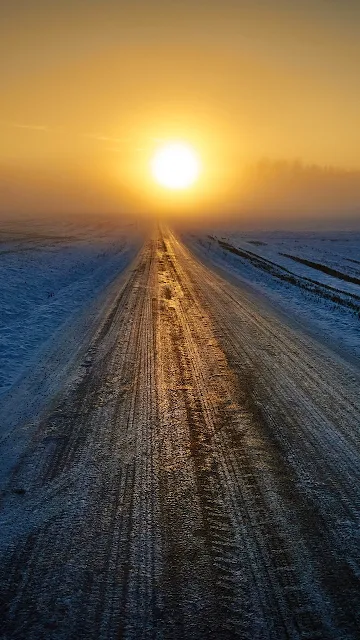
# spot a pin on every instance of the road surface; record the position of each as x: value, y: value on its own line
x: 197, y: 477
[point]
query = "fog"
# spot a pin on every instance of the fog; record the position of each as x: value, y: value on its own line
x: 268, y: 193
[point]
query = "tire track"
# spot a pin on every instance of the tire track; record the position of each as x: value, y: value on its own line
x: 313, y: 425
x: 248, y: 511
x: 95, y: 477
x: 197, y: 479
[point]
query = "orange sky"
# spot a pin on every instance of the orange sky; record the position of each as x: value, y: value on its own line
x: 90, y: 88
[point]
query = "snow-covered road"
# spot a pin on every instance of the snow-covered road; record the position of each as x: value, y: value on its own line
x: 198, y: 477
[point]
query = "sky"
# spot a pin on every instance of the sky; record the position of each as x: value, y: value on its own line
x: 90, y: 88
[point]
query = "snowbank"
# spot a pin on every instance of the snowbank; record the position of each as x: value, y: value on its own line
x: 48, y: 274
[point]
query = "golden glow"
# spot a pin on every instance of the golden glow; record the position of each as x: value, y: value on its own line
x: 241, y: 82
x: 175, y: 166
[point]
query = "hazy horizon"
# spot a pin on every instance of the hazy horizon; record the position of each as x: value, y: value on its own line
x: 277, y: 194
x: 268, y: 93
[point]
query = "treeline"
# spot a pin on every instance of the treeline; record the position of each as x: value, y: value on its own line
x: 280, y: 184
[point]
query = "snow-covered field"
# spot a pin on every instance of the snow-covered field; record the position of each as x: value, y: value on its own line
x: 49, y: 272
x: 314, y: 277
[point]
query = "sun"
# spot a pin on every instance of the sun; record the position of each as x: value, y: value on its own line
x: 175, y: 165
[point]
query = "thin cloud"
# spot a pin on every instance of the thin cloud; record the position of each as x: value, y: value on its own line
x: 96, y: 136
x: 32, y: 127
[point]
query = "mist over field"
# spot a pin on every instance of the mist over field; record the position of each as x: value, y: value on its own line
x: 298, y: 191
x: 287, y: 194
x: 269, y: 194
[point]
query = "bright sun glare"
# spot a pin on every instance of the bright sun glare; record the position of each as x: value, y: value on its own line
x: 175, y: 166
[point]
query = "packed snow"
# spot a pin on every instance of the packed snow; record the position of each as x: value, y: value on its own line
x: 313, y: 277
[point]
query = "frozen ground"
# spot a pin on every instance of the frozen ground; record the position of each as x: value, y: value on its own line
x: 196, y: 476
x: 314, y: 277
x: 49, y: 272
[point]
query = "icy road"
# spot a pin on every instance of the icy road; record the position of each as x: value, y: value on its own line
x: 198, y: 475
